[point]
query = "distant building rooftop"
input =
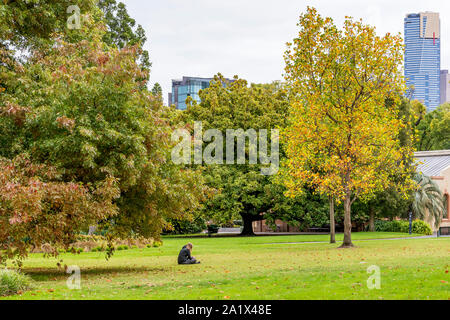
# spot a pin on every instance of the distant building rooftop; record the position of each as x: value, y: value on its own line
x: 432, y: 163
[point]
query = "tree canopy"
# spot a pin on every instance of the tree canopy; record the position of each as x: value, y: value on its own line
x: 342, y: 140
x: 243, y: 192
x: 81, y: 108
x: 434, y: 130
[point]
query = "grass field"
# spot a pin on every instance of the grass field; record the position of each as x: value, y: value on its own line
x: 275, y: 267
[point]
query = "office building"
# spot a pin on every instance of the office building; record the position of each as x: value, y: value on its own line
x: 423, y: 58
x: 187, y: 87
x: 445, y: 86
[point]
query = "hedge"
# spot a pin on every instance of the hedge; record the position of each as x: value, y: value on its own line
x: 418, y: 226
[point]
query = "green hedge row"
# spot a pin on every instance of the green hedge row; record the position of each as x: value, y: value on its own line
x: 418, y: 226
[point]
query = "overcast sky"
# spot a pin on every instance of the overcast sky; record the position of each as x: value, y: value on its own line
x: 248, y: 37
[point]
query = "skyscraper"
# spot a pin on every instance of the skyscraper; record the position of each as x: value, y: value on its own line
x: 423, y: 57
x: 445, y: 86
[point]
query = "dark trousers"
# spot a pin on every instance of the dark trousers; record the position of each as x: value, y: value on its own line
x: 189, y: 261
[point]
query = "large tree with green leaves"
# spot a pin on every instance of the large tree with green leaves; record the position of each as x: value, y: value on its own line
x: 122, y: 30
x: 25, y: 24
x: 157, y: 91
x: 82, y: 108
x: 242, y: 190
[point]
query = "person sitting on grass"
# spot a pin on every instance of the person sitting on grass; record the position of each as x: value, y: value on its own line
x: 185, y: 255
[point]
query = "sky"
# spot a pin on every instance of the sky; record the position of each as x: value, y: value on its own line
x: 248, y: 37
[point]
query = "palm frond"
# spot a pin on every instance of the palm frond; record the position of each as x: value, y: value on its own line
x: 428, y: 198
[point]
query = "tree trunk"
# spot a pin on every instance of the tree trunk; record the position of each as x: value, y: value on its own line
x: 248, y: 226
x: 332, y: 222
x: 347, y: 223
x: 371, y: 220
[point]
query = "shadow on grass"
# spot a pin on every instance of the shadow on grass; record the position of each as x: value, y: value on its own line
x: 238, y: 235
x: 55, y: 274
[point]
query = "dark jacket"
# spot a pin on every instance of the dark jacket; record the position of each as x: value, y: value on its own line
x: 185, y: 255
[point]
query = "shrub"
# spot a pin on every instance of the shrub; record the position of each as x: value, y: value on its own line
x: 98, y: 249
x: 401, y: 226
x: 392, y: 226
x: 12, y: 282
x: 183, y: 226
x: 157, y: 244
x: 418, y: 226
x: 123, y: 247
x: 421, y: 227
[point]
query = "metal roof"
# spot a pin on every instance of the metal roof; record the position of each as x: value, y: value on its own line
x: 432, y: 163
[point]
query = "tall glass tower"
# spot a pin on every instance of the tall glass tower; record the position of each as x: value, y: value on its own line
x: 423, y: 57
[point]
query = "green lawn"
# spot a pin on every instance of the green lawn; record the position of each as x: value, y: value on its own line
x: 272, y: 267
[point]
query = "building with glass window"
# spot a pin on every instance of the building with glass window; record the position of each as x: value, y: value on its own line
x: 423, y: 57
x: 187, y: 87
x: 445, y: 86
x: 436, y: 165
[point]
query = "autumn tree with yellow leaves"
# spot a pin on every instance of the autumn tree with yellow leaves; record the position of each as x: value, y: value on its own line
x: 343, y: 139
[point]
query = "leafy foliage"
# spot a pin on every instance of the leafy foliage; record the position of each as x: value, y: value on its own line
x: 342, y: 140
x: 392, y: 226
x: 37, y: 209
x: 243, y: 191
x: 82, y: 108
x: 418, y: 226
x: 185, y: 226
x: 13, y: 282
x: 421, y: 227
x: 122, y: 31
x: 434, y: 130
x: 90, y: 117
x: 31, y: 24
x: 390, y: 203
x: 157, y: 91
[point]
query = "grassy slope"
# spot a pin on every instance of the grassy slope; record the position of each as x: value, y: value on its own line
x: 255, y: 268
